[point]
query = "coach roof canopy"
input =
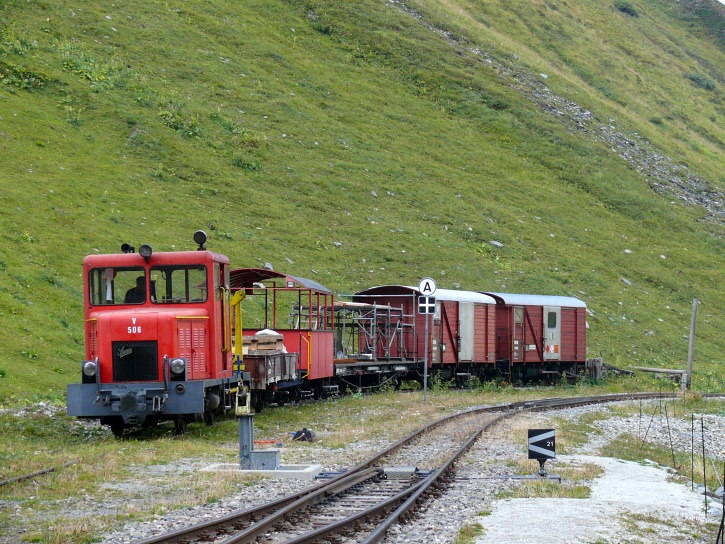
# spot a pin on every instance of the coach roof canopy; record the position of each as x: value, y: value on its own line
x: 240, y: 278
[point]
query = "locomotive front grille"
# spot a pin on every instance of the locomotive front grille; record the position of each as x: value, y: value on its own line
x: 135, y: 361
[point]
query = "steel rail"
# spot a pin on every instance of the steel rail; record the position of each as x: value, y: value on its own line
x: 240, y: 517
x: 36, y: 473
x: 251, y: 533
x: 353, y: 523
x: 269, y: 511
x: 406, y: 500
x: 416, y: 498
x: 405, y: 510
x: 416, y: 493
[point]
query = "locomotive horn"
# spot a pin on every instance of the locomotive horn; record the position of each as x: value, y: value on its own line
x: 127, y: 248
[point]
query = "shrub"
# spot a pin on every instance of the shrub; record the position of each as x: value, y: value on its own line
x: 187, y: 126
x: 625, y: 7
x: 701, y: 81
x: 246, y: 164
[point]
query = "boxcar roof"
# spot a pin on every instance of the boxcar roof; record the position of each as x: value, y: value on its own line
x: 538, y: 300
x: 473, y: 296
x: 440, y: 294
x: 247, y: 277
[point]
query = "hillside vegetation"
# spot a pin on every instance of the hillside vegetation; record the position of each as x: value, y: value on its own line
x: 370, y: 142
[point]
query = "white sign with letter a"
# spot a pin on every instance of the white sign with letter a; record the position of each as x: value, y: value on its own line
x: 427, y: 287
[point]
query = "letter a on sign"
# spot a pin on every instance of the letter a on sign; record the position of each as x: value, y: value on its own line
x: 427, y: 287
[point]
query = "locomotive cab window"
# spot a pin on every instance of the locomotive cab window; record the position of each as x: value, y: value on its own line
x: 117, y: 285
x: 177, y: 284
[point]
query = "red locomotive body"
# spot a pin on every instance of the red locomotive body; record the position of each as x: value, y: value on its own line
x: 158, y: 344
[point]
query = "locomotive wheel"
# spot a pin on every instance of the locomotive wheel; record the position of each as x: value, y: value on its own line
x: 150, y: 422
x: 117, y: 427
x: 210, y: 417
x: 180, y: 424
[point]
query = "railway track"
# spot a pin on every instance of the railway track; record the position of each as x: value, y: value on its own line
x: 361, y: 504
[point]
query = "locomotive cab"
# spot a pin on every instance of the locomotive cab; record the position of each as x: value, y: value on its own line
x: 158, y: 338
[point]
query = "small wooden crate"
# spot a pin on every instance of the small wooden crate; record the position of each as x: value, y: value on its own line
x: 264, y: 342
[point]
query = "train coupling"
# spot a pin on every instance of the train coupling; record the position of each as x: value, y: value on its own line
x: 330, y: 391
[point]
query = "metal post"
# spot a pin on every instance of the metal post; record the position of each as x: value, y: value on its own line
x: 692, y: 454
x: 246, y: 441
x: 721, y: 531
x: 704, y: 461
x: 691, y: 344
x: 425, y: 360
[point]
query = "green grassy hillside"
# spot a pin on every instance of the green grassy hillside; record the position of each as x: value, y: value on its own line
x: 370, y: 142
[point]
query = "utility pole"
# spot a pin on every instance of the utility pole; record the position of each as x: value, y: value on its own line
x: 691, y: 347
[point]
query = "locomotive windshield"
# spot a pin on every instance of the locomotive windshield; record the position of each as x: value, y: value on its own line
x: 117, y: 285
x: 179, y: 283
x: 165, y: 285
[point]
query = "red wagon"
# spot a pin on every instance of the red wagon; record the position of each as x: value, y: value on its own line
x: 519, y: 337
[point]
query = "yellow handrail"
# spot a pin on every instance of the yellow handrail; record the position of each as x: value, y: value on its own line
x: 237, y: 349
x: 309, y: 352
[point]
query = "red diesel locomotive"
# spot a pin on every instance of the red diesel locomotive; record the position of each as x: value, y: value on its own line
x: 158, y: 338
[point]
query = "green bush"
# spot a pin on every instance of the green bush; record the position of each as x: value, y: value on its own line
x: 626, y: 7
x: 701, y: 81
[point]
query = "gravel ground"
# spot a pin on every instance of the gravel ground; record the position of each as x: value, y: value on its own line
x: 630, y: 502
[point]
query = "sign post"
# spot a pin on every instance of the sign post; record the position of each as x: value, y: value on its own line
x: 427, y: 306
x: 542, y: 446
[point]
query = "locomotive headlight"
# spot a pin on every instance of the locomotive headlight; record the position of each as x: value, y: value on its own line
x: 89, y: 368
x: 145, y: 251
x: 178, y: 366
